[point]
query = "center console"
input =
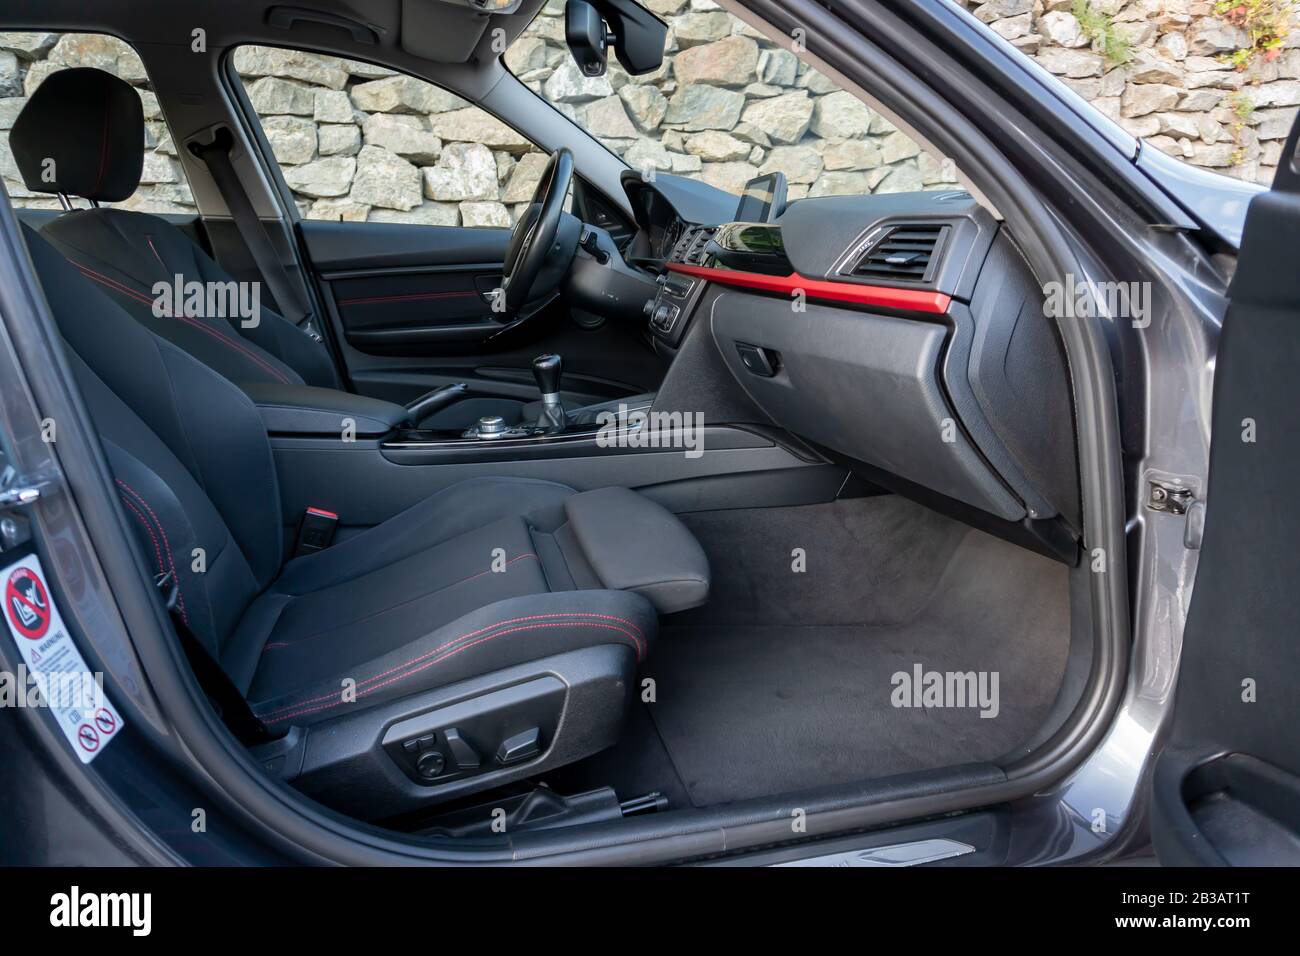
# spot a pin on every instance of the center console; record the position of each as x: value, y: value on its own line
x: 677, y: 295
x: 366, y: 460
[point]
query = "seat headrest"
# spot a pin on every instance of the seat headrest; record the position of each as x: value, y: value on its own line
x: 91, y: 124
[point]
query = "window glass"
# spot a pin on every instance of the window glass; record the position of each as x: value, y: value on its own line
x: 727, y: 105
x: 361, y: 143
x: 1214, y: 84
x: 26, y: 59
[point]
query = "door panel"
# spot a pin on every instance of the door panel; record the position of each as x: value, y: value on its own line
x: 334, y: 246
x: 417, y: 309
x: 405, y: 303
x: 410, y: 311
x: 1227, y: 785
x: 409, y: 288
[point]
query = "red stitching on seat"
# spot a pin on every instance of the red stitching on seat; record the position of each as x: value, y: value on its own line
x: 219, y: 336
x: 157, y: 551
x: 149, y: 239
x: 171, y: 561
x: 637, y: 638
x: 279, y: 645
x: 402, y: 677
x: 113, y: 284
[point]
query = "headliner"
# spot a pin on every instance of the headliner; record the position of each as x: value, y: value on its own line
x: 437, y: 31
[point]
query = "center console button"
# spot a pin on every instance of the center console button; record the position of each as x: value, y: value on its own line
x: 491, y: 426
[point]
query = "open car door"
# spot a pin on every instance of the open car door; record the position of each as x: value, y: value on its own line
x: 1226, y: 788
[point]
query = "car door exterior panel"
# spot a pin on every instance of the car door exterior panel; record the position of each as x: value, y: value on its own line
x: 1226, y: 787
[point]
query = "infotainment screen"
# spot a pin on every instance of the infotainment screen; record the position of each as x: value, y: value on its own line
x: 763, y: 199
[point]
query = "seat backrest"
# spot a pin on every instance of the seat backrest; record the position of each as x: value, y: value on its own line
x: 189, y: 452
x: 82, y: 134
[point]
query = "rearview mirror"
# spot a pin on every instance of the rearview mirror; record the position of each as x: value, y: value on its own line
x: 636, y: 34
x: 587, y: 36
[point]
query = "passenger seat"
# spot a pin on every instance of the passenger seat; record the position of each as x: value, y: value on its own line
x: 485, y: 634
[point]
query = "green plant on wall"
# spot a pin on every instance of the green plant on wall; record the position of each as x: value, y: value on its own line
x: 1243, y: 107
x: 1101, y: 30
x: 1266, y: 23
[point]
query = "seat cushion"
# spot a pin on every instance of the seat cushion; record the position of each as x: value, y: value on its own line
x: 488, y: 639
x: 487, y: 574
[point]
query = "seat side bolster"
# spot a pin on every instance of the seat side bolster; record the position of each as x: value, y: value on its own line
x: 499, y: 635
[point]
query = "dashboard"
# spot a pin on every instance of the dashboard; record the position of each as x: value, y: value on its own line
x: 903, y: 334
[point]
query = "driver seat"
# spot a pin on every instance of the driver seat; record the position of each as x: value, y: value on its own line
x: 90, y: 124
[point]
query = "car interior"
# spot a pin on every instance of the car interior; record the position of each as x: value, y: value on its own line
x: 657, y: 500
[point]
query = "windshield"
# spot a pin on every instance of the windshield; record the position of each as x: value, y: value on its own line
x: 1215, y: 85
x: 726, y: 106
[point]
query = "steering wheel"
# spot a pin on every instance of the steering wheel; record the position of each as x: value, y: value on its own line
x: 537, y: 244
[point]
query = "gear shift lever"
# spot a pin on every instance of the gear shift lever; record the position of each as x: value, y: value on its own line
x: 547, y: 370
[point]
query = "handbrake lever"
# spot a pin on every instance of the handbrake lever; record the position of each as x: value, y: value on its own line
x: 421, y: 408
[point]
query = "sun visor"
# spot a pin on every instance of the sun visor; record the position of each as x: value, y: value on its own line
x: 444, y: 31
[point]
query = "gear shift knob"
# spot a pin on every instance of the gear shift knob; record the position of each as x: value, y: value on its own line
x: 547, y: 370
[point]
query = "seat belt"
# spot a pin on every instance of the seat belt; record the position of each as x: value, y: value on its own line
x: 220, y: 690
x: 216, y: 155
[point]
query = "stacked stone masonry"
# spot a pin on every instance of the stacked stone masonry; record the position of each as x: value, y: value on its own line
x: 360, y: 143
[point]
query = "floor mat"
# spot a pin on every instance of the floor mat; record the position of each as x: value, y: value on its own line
x: 747, y: 710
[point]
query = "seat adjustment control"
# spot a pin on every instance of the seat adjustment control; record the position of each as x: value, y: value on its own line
x: 466, y: 757
x: 520, y: 747
x: 430, y: 763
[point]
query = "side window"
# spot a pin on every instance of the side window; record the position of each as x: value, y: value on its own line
x: 727, y: 105
x: 362, y: 143
x: 26, y: 59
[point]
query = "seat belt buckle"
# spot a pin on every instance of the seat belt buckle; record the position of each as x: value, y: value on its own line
x: 315, y: 531
x: 309, y: 326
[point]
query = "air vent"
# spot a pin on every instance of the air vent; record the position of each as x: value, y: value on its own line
x: 690, y: 248
x: 903, y: 255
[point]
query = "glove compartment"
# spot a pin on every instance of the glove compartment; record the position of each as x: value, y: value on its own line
x: 863, y: 384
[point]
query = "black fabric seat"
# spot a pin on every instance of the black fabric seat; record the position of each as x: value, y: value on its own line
x: 488, y: 574
x: 91, y: 124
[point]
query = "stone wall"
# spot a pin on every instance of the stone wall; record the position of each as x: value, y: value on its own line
x: 727, y: 105
x: 358, y: 142
x: 1180, y: 78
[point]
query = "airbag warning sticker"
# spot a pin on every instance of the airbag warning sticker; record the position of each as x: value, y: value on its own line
x: 54, y: 666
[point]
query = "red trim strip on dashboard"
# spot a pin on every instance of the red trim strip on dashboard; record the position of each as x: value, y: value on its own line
x: 883, y: 297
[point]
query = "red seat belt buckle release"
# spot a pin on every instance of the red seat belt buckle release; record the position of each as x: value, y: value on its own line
x: 316, y: 531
